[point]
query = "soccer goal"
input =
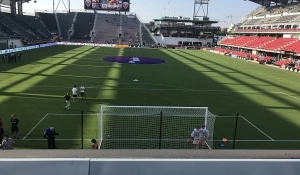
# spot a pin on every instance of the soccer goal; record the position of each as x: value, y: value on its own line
x: 152, y: 127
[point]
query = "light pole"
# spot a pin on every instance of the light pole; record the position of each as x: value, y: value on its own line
x: 0, y: 4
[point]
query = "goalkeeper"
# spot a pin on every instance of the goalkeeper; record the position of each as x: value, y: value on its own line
x: 202, y: 137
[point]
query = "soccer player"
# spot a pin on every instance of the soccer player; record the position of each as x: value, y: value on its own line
x: 14, y: 126
x: 203, y: 137
x: 82, y: 88
x: 74, y: 93
x: 67, y: 98
x: 1, y: 130
x: 194, y: 134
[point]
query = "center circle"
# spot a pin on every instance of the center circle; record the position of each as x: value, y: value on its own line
x: 134, y: 60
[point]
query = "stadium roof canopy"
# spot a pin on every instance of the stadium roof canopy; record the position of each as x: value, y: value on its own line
x: 7, y: 2
x: 268, y: 2
x: 187, y: 20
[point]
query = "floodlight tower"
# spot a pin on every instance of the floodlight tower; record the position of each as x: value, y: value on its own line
x: 67, y: 7
x: 201, y: 4
x: 63, y: 2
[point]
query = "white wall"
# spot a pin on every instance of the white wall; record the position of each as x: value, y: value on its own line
x: 87, y: 166
x: 175, y: 40
x: 15, y: 41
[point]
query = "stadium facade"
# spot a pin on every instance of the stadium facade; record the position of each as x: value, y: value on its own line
x: 103, y: 23
x: 270, y: 35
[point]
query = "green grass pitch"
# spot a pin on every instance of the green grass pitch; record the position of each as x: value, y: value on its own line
x: 267, y: 99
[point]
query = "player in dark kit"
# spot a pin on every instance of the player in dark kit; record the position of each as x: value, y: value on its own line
x: 67, y: 98
x: 1, y: 130
x: 14, y: 126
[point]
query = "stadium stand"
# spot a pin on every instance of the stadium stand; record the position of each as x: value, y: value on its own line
x: 36, y: 24
x: 108, y: 29
x: 294, y: 47
x: 83, y: 25
x: 49, y: 20
x: 147, y: 40
x: 65, y: 22
x: 268, y: 35
x: 258, y: 41
x: 18, y: 30
x: 286, y: 19
x: 6, y: 29
x: 2, y: 35
x: 252, y: 21
x: 278, y: 43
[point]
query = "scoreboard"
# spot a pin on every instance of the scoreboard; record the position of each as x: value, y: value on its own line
x: 107, y: 5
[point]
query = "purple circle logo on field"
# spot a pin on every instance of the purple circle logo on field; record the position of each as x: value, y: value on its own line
x: 134, y: 60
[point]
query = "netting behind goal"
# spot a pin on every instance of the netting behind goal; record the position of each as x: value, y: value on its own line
x: 152, y: 127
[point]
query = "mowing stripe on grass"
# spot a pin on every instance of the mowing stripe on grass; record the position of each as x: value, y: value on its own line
x: 34, y: 127
x: 257, y: 128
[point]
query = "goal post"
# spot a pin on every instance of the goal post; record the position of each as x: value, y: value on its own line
x: 152, y: 127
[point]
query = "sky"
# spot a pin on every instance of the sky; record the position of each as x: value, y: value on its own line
x: 225, y: 11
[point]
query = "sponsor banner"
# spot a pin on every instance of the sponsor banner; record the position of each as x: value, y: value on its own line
x: 122, y: 46
x: 48, y: 44
x: 180, y: 47
x: 19, y: 49
x: 86, y: 44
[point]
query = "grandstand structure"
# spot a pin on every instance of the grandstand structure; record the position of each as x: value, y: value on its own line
x: 269, y: 34
x: 104, y: 27
x: 183, y: 31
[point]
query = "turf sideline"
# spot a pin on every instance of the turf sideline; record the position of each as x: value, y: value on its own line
x: 139, y: 139
x: 43, y: 119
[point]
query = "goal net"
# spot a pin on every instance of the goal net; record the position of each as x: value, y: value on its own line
x: 152, y: 127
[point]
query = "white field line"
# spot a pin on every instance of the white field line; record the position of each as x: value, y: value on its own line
x: 34, y: 127
x: 258, y: 129
x: 174, y: 88
x: 43, y: 119
x: 70, y: 114
x: 184, y: 140
x: 290, y: 96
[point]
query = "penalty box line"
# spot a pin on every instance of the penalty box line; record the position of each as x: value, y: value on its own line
x: 271, y: 139
x: 44, y: 119
x: 258, y: 128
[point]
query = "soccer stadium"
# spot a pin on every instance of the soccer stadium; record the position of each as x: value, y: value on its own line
x: 106, y: 89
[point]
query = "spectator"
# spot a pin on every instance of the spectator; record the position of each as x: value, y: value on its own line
x: 7, y: 143
x: 3, y: 58
x: 51, y: 138
x: 94, y: 144
x: 19, y: 56
x: 47, y: 131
